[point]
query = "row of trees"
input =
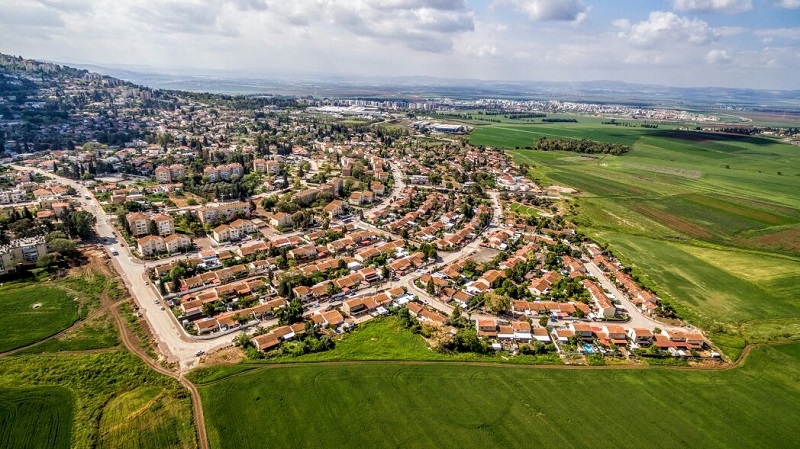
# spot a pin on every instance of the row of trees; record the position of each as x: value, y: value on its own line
x: 580, y: 146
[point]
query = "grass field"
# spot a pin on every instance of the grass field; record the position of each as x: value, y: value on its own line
x: 381, y: 339
x: 96, y: 333
x: 145, y: 417
x: 523, y: 209
x: 35, y: 418
x: 101, y: 386
x: 444, y: 405
x: 711, y: 222
x: 31, y: 313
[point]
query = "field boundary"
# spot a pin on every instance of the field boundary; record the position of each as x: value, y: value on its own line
x: 723, y: 366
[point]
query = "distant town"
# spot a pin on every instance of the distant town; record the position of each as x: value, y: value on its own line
x: 266, y: 217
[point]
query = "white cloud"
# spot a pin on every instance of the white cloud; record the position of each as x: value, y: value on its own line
x: 788, y: 4
x: 426, y: 25
x: 662, y: 28
x: 447, y: 38
x: 726, y: 6
x: 557, y: 10
x: 781, y: 33
x: 29, y: 15
x: 715, y: 56
x: 769, y: 34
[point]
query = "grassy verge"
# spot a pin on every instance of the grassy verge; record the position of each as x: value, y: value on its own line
x: 381, y: 339
x: 137, y: 326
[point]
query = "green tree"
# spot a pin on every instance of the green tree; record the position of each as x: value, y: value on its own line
x: 242, y: 341
x: 63, y: 246
x: 291, y: 314
x: 44, y: 261
x: 80, y: 223
x: 152, y: 227
x: 497, y: 303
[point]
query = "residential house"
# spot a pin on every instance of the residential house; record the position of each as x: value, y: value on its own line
x: 616, y: 334
x: 280, y: 219
x: 641, y: 336
x: 582, y: 330
x: 486, y: 327
x: 354, y: 307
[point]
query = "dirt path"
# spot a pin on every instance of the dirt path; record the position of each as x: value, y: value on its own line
x: 199, y: 419
x: 111, y: 306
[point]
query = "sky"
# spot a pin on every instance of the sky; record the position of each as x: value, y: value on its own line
x: 691, y: 43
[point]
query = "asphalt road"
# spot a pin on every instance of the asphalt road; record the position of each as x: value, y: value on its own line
x: 637, y: 318
x: 172, y: 341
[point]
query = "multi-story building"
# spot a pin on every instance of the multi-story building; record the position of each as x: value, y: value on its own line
x: 211, y: 173
x: 138, y: 224
x: 176, y: 242
x: 260, y: 165
x: 12, y: 196
x: 163, y: 175
x: 177, y: 171
x: 25, y: 251
x: 150, y: 245
x: 164, y: 223
x: 223, y: 212
x: 225, y: 233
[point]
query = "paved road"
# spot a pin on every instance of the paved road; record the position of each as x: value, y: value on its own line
x: 638, y: 319
x: 172, y: 341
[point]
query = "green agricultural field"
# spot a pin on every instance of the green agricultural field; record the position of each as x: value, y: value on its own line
x: 509, y: 135
x: 31, y: 313
x: 35, y: 418
x: 108, y: 399
x: 382, y: 404
x: 711, y: 222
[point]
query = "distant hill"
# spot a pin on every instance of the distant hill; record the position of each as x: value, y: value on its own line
x: 416, y: 88
x: 426, y: 87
